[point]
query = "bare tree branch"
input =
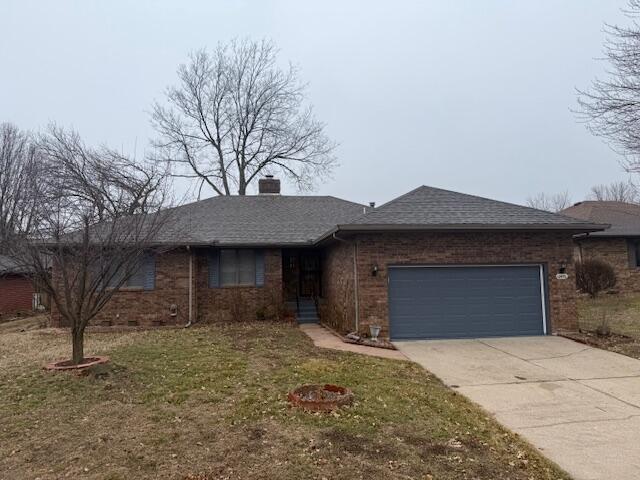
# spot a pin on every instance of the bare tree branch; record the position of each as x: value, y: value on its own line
x: 235, y: 115
x: 625, y: 192
x: 550, y: 203
x: 98, y: 216
x: 18, y: 166
x: 611, y: 107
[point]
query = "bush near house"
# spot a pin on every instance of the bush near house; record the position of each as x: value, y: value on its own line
x: 594, y: 276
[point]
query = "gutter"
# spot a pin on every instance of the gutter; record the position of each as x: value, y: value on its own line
x: 576, y: 227
x: 355, y: 278
x: 456, y: 227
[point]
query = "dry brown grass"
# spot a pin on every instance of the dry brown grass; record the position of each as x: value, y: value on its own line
x: 209, y: 403
x: 620, y: 311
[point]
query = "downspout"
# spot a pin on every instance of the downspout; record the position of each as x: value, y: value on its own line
x: 190, y: 322
x: 355, y: 279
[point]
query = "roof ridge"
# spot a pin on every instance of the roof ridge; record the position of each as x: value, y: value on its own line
x: 377, y: 209
x: 216, y: 197
x: 478, y: 197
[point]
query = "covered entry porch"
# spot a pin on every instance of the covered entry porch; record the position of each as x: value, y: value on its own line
x: 302, y: 282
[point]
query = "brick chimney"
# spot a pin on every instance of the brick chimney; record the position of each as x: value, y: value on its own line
x: 269, y: 185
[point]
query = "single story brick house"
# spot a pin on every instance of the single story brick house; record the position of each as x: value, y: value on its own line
x: 16, y: 288
x: 430, y: 264
x: 617, y: 245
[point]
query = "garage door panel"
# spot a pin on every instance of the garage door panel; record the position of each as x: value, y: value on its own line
x: 458, y: 302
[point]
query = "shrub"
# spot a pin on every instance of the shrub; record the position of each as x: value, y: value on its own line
x: 594, y: 276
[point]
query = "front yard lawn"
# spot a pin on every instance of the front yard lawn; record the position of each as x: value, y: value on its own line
x: 621, y: 312
x: 210, y: 402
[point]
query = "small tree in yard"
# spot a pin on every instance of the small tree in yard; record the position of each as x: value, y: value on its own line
x: 98, y: 213
x: 594, y: 276
x: 236, y: 115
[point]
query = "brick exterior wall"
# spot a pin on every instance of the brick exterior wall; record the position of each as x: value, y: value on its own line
x: 614, y: 251
x: 138, y: 307
x: 337, y: 308
x: 135, y: 306
x: 470, y: 248
x: 16, y: 294
x: 228, y: 304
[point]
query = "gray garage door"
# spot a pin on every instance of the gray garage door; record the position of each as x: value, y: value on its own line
x: 465, y: 302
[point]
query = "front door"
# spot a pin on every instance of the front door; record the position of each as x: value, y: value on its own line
x: 309, y: 274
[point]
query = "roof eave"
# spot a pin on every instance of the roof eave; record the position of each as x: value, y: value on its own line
x: 573, y: 227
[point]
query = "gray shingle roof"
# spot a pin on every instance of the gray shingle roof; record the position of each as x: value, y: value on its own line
x: 10, y: 266
x: 624, y: 218
x: 428, y: 207
x: 263, y: 220
x: 257, y: 220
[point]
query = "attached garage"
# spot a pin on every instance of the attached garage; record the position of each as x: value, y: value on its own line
x: 466, y: 301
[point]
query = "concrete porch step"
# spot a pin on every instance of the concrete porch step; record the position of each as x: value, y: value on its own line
x: 305, y: 321
x: 307, y: 313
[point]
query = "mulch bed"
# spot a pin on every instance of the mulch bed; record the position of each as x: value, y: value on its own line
x: 320, y: 398
x: 359, y: 340
x: 87, y: 362
x: 614, y: 343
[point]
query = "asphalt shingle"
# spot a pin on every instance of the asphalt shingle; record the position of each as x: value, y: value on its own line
x: 304, y: 220
x: 257, y: 220
x: 428, y: 206
x: 624, y: 218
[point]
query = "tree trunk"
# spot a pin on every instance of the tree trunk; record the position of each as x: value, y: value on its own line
x: 78, y: 345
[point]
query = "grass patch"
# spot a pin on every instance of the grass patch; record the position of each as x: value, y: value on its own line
x: 210, y: 402
x: 620, y: 311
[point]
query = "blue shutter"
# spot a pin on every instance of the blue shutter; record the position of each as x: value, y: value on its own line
x: 259, y: 268
x: 214, y: 269
x: 149, y: 269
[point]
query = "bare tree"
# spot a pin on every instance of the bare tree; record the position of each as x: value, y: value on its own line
x: 612, y: 106
x: 235, y: 115
x: 617, y: 192
x: 98, y: 216
x: 18, y: 166
x: 550, y: 203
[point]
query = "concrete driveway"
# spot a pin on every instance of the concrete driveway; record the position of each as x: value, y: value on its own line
x: 579, y: 405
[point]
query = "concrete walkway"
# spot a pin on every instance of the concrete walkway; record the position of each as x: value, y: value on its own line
x: 579, y: 405
x: 324, y: 338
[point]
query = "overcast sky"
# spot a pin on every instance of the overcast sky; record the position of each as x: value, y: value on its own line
x: 473, y: 96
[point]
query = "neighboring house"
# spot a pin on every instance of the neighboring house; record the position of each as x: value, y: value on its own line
x: 617, y: 245
x: 16, y: 288
x: 429, y: 264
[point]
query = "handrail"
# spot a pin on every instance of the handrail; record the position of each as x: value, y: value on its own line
x: 315, y: 297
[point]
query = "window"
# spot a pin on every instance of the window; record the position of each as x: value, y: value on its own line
x: 143, y: 276
x: 237, y: 267
x: 636, y: 246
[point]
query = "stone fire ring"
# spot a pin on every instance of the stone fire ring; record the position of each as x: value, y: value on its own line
x: 87, y: 362
x: 320, y: 398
